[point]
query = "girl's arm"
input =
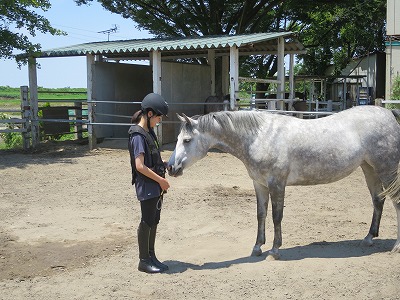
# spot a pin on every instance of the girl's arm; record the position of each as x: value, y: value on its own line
x: 142, y: 168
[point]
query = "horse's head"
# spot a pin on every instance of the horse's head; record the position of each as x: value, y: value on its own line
x: 191, y: 146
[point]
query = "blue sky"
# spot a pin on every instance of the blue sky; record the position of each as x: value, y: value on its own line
x: 82, y: 23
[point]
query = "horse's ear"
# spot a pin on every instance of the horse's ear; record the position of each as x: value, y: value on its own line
x: 187, y: 119
x: 182, y: 119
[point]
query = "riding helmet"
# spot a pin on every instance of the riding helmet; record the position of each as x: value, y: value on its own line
x: 156, y: 103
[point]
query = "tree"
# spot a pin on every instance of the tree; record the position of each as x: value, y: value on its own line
x: 334, y: 31
x: 15, y: 15
x: 337, y: 35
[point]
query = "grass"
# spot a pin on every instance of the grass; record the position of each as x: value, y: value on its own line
x: 10, y: 97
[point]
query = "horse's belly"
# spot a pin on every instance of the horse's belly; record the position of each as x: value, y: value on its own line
x: 317, y: 174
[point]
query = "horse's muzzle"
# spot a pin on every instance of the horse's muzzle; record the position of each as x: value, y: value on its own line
x: 175, y: 172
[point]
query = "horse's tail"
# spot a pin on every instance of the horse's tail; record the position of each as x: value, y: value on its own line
x: 393, y: 189
x: 396, y: 113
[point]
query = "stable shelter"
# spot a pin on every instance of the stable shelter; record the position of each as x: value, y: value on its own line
x: 115, y: 88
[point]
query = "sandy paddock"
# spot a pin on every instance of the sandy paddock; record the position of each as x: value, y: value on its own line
x: 68, y: 222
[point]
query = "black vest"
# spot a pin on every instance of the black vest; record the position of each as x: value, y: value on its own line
x: 156, y: 164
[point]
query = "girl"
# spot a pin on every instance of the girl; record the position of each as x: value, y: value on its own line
x: 148, y: 175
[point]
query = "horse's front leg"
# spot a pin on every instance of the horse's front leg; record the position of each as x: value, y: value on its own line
x: 277, y: 191
x: 262, y: 194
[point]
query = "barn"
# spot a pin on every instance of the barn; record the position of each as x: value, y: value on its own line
x: 121, y: 73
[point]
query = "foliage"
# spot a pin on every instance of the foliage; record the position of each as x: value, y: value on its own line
x: 340, y: 32
x: 396, y: 88
x: 333, y: 31
x: 17, y: 15
x: 11, y: 139
x: 395, y: 93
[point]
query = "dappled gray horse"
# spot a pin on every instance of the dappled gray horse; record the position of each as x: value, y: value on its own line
x: 280, y: 150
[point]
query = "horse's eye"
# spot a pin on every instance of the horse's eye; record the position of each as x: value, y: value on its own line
x: 186, y: 140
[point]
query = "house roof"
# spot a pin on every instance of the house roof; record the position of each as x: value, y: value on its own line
x: 255, y: 43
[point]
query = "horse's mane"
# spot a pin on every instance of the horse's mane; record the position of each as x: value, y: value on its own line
x: 240, y: 121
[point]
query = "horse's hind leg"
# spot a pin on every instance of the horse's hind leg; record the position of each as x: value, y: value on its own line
x: 262, y: 194
x: 396, y: 247
x: 375, y: 188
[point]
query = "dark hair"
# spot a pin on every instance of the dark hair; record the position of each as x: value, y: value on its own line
x: 136, y: 117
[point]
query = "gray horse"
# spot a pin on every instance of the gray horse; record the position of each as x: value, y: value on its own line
x: 280, y: 150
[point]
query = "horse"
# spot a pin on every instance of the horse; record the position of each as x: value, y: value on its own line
x: 208, y: 108
x: 279, y: 151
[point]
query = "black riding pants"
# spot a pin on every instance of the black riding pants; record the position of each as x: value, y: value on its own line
x: 151, y: 209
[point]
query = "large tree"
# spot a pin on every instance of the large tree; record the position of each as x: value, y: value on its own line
x: 337, y: 35
x: 334, y: 31
x: 18, y: 14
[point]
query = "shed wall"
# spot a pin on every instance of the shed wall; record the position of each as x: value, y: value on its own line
x: 119, y: 82
x: 181, y: 83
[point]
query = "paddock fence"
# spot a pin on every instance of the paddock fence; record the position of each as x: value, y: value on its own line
x: 78, y: 115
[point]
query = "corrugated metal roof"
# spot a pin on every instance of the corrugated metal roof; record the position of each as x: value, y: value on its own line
x: 256, y: 42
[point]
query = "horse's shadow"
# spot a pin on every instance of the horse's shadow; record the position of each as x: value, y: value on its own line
x: 340, y: 249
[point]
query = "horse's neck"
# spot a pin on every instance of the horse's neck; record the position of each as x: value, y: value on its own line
x: 230, y: 142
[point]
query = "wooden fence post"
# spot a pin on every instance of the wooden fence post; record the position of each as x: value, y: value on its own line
x: 78, y: 117
x: 91, y: 97
x: 25, y: 115
x: 378, y: 102
x: 33, y: 103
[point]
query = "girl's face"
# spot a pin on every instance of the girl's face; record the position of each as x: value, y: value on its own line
x: 154, y: 120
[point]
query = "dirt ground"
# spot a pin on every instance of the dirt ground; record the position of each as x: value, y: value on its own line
x: 68, y: 220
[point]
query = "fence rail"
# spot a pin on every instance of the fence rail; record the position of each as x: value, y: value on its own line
x: 29, y: 122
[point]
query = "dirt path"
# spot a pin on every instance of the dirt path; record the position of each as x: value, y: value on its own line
x: 68, y: 223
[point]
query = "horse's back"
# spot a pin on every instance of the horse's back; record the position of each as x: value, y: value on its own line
x: 330, y: 148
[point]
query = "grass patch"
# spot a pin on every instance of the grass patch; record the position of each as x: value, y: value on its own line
x: 10, y: 97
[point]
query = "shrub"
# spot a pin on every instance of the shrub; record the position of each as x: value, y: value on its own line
x: 395, y: 93
x: 11, y: 139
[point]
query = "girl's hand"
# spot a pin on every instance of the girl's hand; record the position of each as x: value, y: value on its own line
x: 164, y: 184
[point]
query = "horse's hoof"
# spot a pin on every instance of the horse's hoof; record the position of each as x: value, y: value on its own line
x: 396, y: 248
x: 273, y: 255
x: 367, y: 241
x: 256, y: 251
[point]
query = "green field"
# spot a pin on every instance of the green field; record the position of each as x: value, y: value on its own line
x: 10, y: 97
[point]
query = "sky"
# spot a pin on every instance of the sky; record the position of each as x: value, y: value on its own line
x: 82, y: 23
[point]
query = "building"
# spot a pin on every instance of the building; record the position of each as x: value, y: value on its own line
x: 115, y: 88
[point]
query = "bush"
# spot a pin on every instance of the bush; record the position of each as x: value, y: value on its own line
x: 11, y: 139
x: 396, y: 88
x: 395, y: 94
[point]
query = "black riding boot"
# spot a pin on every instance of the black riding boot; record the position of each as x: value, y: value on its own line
x: 145, y: 262
x: 152, y: 240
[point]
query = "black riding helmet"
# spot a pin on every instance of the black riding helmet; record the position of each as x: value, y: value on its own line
x: 156, y: 103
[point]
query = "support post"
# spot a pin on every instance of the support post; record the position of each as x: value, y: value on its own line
x: 233, y: 74
x: 291, y: 81
x: 33, y: 95
x: 281, y: 68
x: 211, y: 63
x: 225, y: 75
x: 156, y: 64
x: 25, y: 115
x: 91, y: 106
